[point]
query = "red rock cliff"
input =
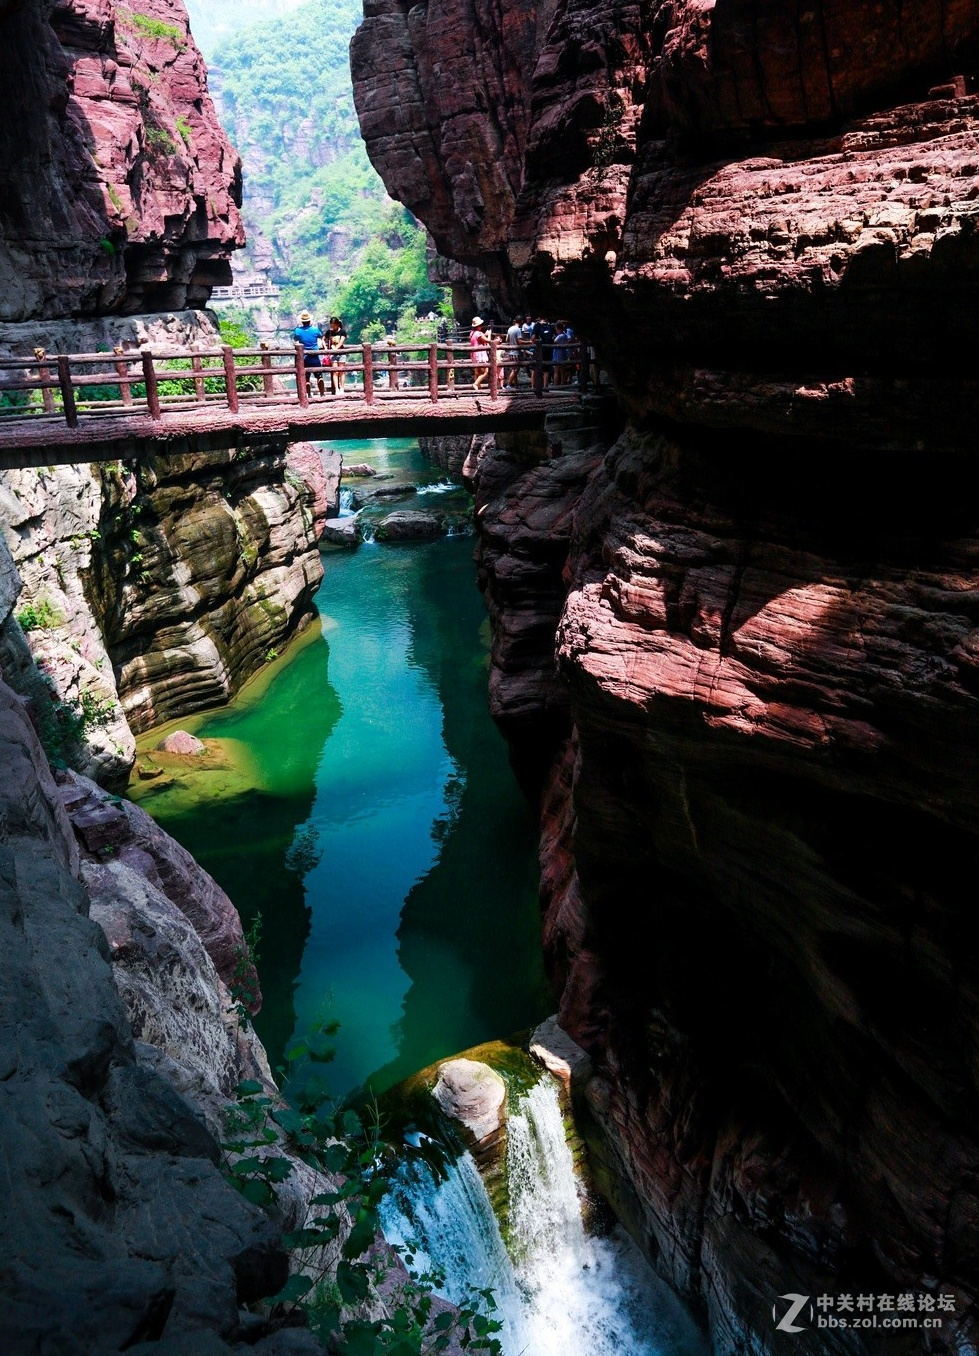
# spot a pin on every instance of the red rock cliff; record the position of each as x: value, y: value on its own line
x: 757, y: 832
x: 119, y: 191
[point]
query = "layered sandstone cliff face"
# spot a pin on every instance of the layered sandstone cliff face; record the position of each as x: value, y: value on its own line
x: 759, y: 827
x: 119, y: 191
x: 156, y: 591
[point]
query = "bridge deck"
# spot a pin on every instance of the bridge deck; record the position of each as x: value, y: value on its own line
x: 128, y: 403
x: 109, y: 437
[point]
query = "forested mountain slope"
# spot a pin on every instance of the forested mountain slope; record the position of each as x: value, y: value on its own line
x: 318, y: 218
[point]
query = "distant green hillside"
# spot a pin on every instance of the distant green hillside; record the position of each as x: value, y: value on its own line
x: 212, y: 21
x: 318, y: 218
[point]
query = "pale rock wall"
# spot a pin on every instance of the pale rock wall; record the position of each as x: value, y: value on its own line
x: 166, y: 587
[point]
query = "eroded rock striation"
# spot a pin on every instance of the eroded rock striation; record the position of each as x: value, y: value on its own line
x: 154, y: 592
x: 760, y: 805
x: 119, y: 191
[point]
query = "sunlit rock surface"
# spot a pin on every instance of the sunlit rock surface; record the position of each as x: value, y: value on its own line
x: 120, y: 191
x: 156, y: 592
x: 118, y: 1226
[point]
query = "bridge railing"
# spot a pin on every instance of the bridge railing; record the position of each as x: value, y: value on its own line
x: 155, y: 381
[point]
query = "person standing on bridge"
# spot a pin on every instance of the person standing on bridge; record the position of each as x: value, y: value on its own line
x: 311, y: 338
x: 336, y: 339
x: 479, y: 352
x: 513, y: 338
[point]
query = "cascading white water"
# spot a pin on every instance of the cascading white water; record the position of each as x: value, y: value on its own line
x: 560, y: 1291
x: 453, y: 1228
x: 345, y: 503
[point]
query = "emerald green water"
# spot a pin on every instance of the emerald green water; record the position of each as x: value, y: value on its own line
x: 377, y: 828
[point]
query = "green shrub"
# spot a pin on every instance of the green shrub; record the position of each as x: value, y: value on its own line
x: 183, y: 127
x: 155, y: 28
x: 160, y: 141
x: 39, y: 615
x: 62, y: 724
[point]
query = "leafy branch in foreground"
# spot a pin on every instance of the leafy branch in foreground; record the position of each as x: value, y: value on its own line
x: 339, y: 1268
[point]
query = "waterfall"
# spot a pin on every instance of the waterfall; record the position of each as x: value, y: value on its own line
x: 345, y: 503
x: 452, y: 1227
x: 560, y: 1291
x: 438, y: 487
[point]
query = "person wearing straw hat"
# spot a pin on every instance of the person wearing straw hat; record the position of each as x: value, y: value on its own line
x: 479, y: 351
x: 311, y: 338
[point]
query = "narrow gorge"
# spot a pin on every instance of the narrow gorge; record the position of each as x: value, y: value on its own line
x: 649, y: 1018
x: 742, y: 634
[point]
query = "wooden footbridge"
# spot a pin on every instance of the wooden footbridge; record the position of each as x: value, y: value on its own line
x: 57, y: 408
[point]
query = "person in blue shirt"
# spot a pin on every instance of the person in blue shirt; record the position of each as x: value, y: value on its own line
x: 311, y: 338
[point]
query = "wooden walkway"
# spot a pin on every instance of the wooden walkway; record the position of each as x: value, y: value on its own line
x: 131, y: 403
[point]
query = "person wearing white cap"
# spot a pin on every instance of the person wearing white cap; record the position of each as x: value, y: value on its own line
x: 479, y: 352
x: 311, y: 338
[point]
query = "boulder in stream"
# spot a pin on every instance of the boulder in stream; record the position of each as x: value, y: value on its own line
x: 359, y: 468
x: 397, y: 489
x: 473, y: 1094
x: 181, y: 741
x: 342, y: 532
x: 408, y: 525
x: 563, y: 1057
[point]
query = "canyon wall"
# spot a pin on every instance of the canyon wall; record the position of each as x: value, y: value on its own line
x: 119, y: 1228
x: 156, y: 589
x: 150, y: 590
x: 748, y: 628
x: 119, y: 191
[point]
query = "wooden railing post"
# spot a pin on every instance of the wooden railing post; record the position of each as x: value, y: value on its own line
x: 368, y: 355
x: 44, y: 374
x: 67, y: 393
x: 230, y: 383
x: 200, y: 393
x: 302, y: 391
x: 393, y: 370
x: 152, y: 386
x: 538, y: 369
x: 433, y: 373
x: 268, y: 387
x: 122, y: 372
x: 494, y: 372
x: 583, y: 376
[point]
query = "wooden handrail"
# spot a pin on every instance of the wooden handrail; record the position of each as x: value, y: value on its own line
x: 268, y: 384
x: 122, y: 373
x: 302, y: 390
x: 230, y: 380
x: 189, y: 373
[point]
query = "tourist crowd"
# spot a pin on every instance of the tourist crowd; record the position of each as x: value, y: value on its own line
x: 527, y: 342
